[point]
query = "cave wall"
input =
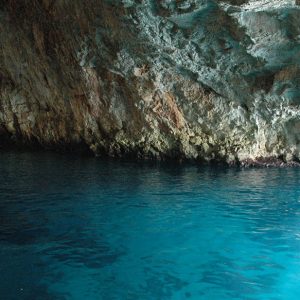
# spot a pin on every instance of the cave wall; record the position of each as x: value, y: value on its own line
x: 196, y: 79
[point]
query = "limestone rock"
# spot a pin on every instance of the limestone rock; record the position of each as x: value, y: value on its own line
x: 196, y: 79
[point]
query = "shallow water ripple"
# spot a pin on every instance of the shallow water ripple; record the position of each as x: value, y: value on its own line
x: 82, y: 228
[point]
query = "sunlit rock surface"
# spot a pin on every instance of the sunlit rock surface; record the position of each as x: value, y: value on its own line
x: 197, y: 79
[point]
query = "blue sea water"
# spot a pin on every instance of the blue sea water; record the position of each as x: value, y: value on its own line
x: 84, y: 229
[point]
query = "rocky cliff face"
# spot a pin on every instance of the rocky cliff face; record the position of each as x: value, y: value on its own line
x: 199, y: 79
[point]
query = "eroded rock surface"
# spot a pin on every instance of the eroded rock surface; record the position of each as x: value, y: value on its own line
x: 198, y: 79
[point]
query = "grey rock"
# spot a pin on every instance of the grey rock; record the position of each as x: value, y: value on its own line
x: 196, y: 79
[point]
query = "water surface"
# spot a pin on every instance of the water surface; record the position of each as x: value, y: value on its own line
x: 85, y: 229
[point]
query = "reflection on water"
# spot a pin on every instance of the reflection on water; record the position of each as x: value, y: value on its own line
x: 82, y: 228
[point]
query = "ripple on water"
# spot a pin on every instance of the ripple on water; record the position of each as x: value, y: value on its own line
x: 82, y: 228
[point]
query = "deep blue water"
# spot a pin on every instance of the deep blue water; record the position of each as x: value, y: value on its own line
x: 85, y: 229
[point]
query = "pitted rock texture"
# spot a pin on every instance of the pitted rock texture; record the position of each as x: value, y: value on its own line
x: 196, y: 79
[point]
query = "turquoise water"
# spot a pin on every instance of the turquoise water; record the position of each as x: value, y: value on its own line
x: 82, y: 228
